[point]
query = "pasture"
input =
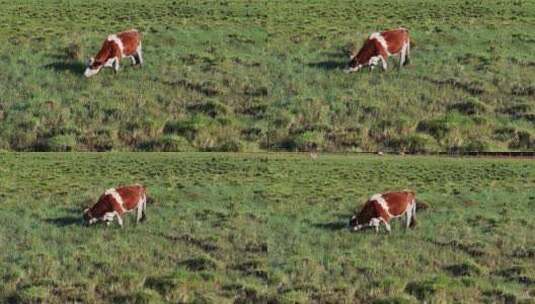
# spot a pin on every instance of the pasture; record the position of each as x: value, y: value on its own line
x: 265, y: 228
x: 266, y: 75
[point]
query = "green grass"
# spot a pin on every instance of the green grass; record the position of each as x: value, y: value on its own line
x: 257, y: 75
x: 265, y: 228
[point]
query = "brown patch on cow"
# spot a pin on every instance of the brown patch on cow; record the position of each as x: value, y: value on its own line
x: 368, y: 50
x: 131, y: 40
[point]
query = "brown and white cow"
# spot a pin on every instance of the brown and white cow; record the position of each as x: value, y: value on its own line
x: 379, y: 46
x: 382, y: 207
x: 114, y: 48
x: 115, y: 202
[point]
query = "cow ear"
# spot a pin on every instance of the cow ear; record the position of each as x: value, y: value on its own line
x: 86, y: 210
x: 90, y: 61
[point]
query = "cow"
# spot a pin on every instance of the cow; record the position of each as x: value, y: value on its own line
x: 378, y: 47
x: 382, y: 207
x: 115, y: 202
x: 114, y: 48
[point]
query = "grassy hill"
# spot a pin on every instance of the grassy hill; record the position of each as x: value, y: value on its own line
x: 257, y: 75
x: 265, y: 228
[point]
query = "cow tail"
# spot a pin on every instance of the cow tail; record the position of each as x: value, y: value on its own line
x: 420, y: 205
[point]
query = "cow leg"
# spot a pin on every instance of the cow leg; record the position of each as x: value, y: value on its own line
x: 402, y: 55
x: 139, y: 54
x: 408, y: 52
x: 141, y: 210
x: 408, y: 214
x: 383, y: 61
x: 375, y: 223
x: 116, y: 65
x: 144, y: 213
x: 387, y: 225
x: 119, y: 219
x: 133, y: 58
x: 108, y: 218
x: 413, y: 218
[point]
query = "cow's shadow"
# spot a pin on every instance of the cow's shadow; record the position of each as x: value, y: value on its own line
x: 74, y: 67
x: 329, y: 65
x: 333, y: 226
x: 65, y: 221
x: 334, y: 61
x: 73, y: 218
x: 341, y: 224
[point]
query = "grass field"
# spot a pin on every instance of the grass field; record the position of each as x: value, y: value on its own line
x: 257, y: 75
x: 265, y: 228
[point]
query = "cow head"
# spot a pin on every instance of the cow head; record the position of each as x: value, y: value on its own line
x: 88, y: 217
x: 92, y: 67
x: 356, y: 224
x: 354, y: 64
x: 367, y: 56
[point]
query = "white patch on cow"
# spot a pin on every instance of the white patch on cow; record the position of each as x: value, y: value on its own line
x: 108, y: 217
x: 374, y: 60
x: 377, y: 36
x: 109, y: 62
x: 118, y: 42
x: 117, y: 197
x: 382, y: 202
x: 375, y: 222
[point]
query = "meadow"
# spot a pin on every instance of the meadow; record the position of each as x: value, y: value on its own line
x: 265, y: 228
x: 267, y: 75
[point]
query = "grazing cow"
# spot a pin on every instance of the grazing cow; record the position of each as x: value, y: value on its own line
x: 380, y: 208
x: 379, y: 46
x: 114, y: 202
x: 114, y: 48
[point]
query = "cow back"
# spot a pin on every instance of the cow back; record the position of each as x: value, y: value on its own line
x: 395, y: 39
x: 131, y: 195
x: 398, y: 202
x: 131, y: 40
